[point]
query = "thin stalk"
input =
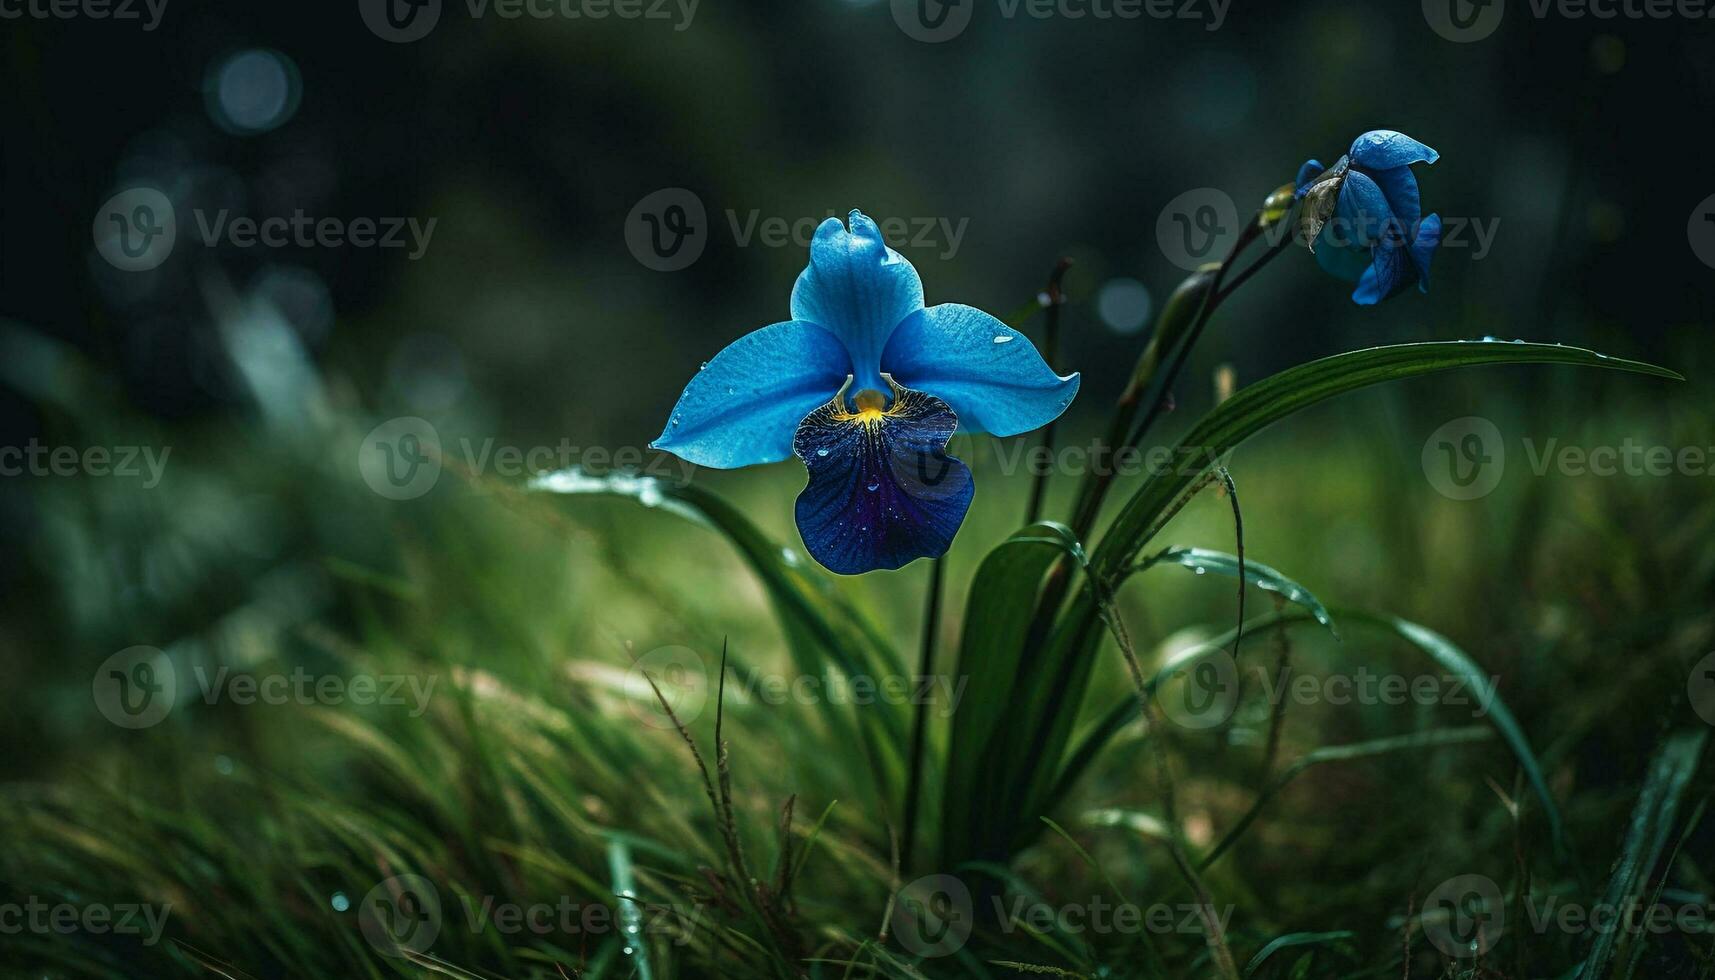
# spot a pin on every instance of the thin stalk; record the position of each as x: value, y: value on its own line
x: 1277, y: 718
x: 1213, y: 932
x: 920, y: 721
x: 1053, y: 298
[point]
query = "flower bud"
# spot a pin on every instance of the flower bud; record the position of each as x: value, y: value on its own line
x: 1320, y: 198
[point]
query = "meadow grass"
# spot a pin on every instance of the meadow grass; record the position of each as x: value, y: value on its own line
x: 567, y: 826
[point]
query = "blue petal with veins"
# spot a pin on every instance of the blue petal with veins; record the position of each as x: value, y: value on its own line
x: 882, y: 490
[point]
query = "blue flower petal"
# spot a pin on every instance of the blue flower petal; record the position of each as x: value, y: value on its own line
x: 1341, y: 261
x: 1362, y: 215
x: 1384, y: 149
x: 857, y: 289
x: 742, y: 406
x: 1399, y: 186
x: 882, y: 491
x: 1388, y: 273
x: 988, y: 372
x: 1307, y: 174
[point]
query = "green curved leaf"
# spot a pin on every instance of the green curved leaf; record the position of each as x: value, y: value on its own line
x: 1292, y: 939
x: 1255, y: 408
x: 996, y: 623
x: 1446, y: 653
x: 1202, y: 560
x: 1072, y: 645
x: 823, y: 632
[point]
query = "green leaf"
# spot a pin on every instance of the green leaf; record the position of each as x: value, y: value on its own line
x: 1292, y: 939
x: 1201, y: 560
x: 1064, y: 662
x: 996, y: 623
x: 1446, y: 653
x: 1255, y: 408
x: 630, y: 907
x: 1652, y: 819
x: 823, y: 631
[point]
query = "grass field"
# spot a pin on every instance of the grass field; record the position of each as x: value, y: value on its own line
x: 417, y: 737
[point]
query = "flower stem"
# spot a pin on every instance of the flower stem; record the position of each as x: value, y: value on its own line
x: 919, y: 724
x: 1053, y: 299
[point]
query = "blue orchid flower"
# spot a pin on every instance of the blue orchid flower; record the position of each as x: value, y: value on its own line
x: 1363, y: 219
x: 866, y: 385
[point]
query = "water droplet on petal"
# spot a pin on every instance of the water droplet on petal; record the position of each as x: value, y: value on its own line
x: 873, y: 487
x: 821, y: 452
x: 703, y: 366
x: 1003, y: 339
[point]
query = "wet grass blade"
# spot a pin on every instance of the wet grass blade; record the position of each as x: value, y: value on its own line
x: 1670, y: 771
x: 1202, y: 561
x: 824, y: 632
x: 1255, y: 408
x: 1290, y: 940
